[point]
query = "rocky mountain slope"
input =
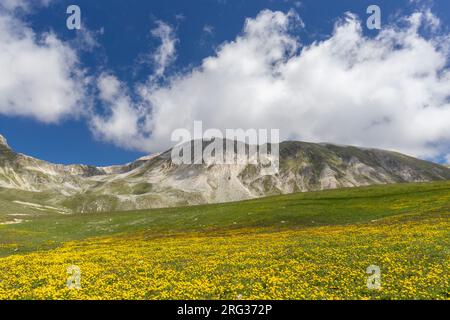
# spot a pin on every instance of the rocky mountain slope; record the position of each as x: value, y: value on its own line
x: 155, y: 181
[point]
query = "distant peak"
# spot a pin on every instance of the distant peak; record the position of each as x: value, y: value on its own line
x: 149, y: 157
x: 3, y: 142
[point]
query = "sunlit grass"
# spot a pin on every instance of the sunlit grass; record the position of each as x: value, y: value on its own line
x: 303, y: 246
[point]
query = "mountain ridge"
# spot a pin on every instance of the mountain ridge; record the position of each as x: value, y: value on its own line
x: 4, y: 142
x: 155, y: 181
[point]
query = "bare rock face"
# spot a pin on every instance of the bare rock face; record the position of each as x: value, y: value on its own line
x: 155, y: 181
x: 3, y: 142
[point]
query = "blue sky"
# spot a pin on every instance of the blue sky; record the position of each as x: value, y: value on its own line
x: 123, y: 44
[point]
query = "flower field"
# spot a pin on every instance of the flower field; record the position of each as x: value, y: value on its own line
x: 301, y: 246
x: 317, y: 263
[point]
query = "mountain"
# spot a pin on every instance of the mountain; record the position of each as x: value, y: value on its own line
x: 155, y: 181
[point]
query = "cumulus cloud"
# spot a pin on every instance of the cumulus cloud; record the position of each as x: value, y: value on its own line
x: 40, y: 75
x: 391, y: 91
x: 126, y: 120
x: 120, y: 125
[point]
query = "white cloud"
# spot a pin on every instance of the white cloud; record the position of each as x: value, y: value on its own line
x: 87, y: 40
x: 40, y: 76
x: 166, y: 52
x: 109, y: 87
x: 22, y: 4
x: 391, y: 91
x: 208, y: 29
x: 433, y: 22
x: 121, y: 123
x: 13, y: 4
x: 125, y: 122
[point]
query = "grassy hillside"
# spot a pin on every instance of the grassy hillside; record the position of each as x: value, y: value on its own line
x: 307, y: 245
